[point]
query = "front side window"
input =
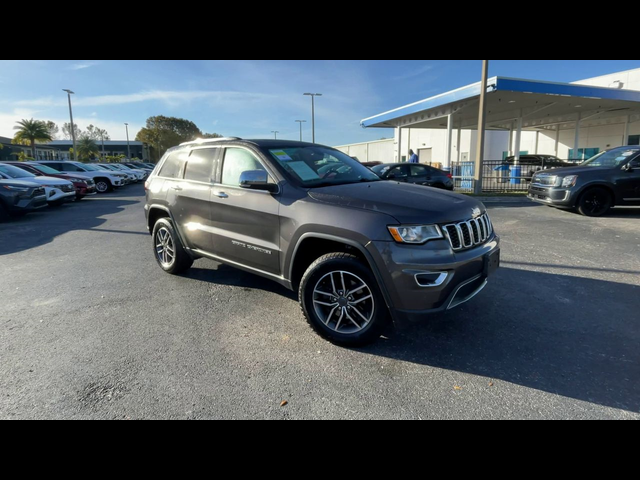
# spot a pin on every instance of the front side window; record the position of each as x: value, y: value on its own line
x: 46, y: 170
x: 399, y: 172
x: 419, y: 171
x: 315, y: 166
x: 200, y: 165
x: 236, y: 161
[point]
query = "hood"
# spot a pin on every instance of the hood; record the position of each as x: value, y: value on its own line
x: 576, y: 170
x: 49, y: 181
x: 407, y: 203
x: 19, y: 183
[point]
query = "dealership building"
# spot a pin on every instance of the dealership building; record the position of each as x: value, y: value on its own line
x: 60, y: 149
x: 569, y: 120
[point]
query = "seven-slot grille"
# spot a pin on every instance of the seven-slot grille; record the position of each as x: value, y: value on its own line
x: 469, y: 234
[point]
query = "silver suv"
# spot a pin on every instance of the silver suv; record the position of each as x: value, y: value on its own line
x: 359, y: 250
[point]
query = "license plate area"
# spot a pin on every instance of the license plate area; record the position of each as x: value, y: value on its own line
x: 491, y: 263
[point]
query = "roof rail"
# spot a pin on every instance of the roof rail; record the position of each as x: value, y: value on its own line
x: 200, y: 141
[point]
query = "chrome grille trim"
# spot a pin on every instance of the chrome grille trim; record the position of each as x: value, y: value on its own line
x: 469, y: 234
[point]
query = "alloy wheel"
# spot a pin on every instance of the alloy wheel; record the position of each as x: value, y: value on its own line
x: 165, y: 249
x: 343, y: 302
x: 102, y: 187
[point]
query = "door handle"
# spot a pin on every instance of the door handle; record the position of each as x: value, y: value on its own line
x: 221, y: 195
x: 176, y: 188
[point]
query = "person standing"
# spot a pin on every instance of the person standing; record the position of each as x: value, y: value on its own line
x: 413, y: 158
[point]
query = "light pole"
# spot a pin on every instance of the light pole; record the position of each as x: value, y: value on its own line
x: 73, y: 128
x: 301, y: 122
x: 313, y: 113
x: 128, y: 146
x: 275, y: 134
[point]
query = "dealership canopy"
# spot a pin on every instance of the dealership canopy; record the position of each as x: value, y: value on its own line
x: 539, y: 105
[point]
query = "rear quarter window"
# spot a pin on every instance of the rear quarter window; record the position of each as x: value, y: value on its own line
x: 172, y: 167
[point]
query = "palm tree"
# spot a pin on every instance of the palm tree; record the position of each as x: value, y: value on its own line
x: 31, y: 131
x: 87, y: 147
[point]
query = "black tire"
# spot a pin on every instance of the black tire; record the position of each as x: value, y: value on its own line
x: 57, y: 204
x: 103, y: 185
x: 595, y: 202
x: 374, y: 309
x: 18, y: 214
x: 181, y: 261
x: 4, y: 215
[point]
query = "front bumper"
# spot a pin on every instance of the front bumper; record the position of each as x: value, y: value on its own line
x: 555, y: 196
x: 56, y: 195
x: 28, y: 204
x: 85, y: 191
x: 463, y: 275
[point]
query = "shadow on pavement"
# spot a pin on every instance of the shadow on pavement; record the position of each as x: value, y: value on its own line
x: 41, y: 227
x: 565, y: 335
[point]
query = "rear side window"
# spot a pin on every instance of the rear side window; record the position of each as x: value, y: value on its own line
x: 172, y: 166
x: 200, y: 165
x: 419, y: 170
x: 236, y: 161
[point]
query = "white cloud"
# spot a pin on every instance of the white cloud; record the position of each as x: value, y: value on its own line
x: 82, y: 66
x: 167, y: 96
x: 414, y: 73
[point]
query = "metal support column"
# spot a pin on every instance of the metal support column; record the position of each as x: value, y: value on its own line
x: 537, y: 142
x: 447, y: 161
x: 557, y: 140
x: 518, y: 139
x: 399, y: 142
x: 576, y: 143
x: 459, y: 147
x: 627, y: 131
x: 482, y: 124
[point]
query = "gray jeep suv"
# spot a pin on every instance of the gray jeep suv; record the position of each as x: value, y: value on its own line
x: 359, y: 250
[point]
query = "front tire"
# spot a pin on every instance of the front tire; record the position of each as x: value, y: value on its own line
x: 168, y: 249
x: 103, y: 186
x: 342, y: 302
x: 595, y: 202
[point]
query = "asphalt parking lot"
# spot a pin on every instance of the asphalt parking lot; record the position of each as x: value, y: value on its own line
x: 90, y: 327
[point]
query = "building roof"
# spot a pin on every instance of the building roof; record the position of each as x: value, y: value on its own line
x: 543, y: 105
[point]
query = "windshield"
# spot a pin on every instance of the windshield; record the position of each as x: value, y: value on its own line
x: 89, y: 168
x: 612, y: 158
x: 46, y: 170
x: 381, y: 170
x: 15, y: 172
x: 314, y: 167
x: 107, y: 167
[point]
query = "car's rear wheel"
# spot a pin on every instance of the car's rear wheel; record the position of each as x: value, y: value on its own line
x: 341, y: 300
x: 168, y: 249
x: 103, y: 186
x: 595, y: 202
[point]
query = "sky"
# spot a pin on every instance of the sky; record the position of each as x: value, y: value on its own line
x: 251, y: 98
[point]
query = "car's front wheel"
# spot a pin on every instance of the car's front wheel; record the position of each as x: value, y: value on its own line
x: 341, y: 300
x: 103, y: 185
x: 595, y: 202
x: 168, y: 249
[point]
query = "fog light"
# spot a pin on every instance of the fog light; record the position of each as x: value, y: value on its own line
x: 431, y: 279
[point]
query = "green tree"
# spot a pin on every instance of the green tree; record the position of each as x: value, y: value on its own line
x: 211, y: 135
x: 53, y: 129
x: 165, y: 132
x: 87, y: 148
x: 31, y: 131
x: 95, y: 133
x: 66, y: 131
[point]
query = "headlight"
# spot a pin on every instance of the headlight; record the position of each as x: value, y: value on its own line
x: 569, y: 181
x: 16, y: 189
x: 415, y: 234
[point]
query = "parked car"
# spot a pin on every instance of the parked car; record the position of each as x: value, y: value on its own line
x: 140, y: 166
x: 354, y: 247
x: 609, y: 179
x: 84, y: 185
x: 530, y: 164
x: 17, y: 197
x: 105, y: 181
x: 371, y: 164
x: 138, y: 174
x: 415, y: 173
x: 108, y: 167
x: 58, y: 191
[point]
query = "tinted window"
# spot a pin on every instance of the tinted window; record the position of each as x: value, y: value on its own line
x: 236, y: 161
x: 69, y: 167
x: 399, y: 172
x: 172, y: 166
x: 200, y: 165
x: 419, y: 171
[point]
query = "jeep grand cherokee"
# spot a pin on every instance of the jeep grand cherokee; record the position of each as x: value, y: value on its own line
x: 357, y: 249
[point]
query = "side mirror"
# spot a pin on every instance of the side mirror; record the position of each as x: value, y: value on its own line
x: 628, y: 167
x: 257, y: 180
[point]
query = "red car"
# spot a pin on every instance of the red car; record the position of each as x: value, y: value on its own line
x: 84, y: 186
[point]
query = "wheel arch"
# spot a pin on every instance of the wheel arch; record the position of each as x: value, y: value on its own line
x: 312, y: 246
x: 603, y: 185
